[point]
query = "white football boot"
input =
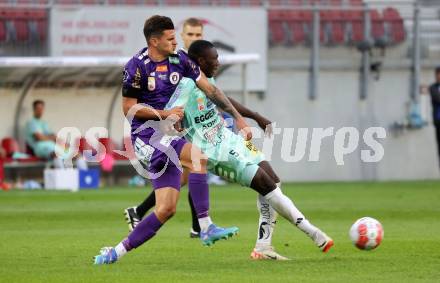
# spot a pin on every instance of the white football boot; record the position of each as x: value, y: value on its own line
x: 266, y: 252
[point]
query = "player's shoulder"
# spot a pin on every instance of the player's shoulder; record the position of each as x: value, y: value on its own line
x: 140, y: 58
x: 182, y: 55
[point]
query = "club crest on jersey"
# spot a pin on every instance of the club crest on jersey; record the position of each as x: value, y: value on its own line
x: 151, y: 83
x: 200, y: 104
x: 125, y: 76
x: 174, y: 77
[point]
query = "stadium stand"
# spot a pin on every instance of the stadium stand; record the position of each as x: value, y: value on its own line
x: 24, y: 27
x: 289, y: 27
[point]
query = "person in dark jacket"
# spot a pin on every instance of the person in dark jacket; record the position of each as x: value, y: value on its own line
x: 434, y: 91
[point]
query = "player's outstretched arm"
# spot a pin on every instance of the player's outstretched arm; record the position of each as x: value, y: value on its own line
x: 148, y: 113
x: 219, y: 98
x: 247, y: 113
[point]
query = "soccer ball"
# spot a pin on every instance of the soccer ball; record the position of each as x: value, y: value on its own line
x: 366, y: 233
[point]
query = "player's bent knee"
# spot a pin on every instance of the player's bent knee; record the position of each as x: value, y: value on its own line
x: 193, y: 159
x: 165, y: 212
x: 263, y: 183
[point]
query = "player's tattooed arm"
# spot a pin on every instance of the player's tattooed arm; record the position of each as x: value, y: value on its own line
x: 131, y: 107
x: 262, y: 121
x: 220, y: 99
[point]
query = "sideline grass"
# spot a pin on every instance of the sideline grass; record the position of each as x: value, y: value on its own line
x: 52, y: 236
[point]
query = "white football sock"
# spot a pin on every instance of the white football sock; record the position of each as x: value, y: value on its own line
x: 204, y: 223
x: 285, y: 207
x: 266, y: 224
x: 120, y: 250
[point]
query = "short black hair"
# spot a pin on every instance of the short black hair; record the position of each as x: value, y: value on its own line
x: 36, y: 102
x: 198, y: 48
x: 437, y: 70
x: 156, y: 25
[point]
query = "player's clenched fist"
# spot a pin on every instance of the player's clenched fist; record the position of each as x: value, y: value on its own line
x: 244, y: 129
x: 178, y: 111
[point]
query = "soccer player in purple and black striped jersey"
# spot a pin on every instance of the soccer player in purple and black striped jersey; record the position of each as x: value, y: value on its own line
x: 150, y: 78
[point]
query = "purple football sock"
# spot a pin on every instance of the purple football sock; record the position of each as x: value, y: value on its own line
x: 144, y: 231
x: 199, y: 190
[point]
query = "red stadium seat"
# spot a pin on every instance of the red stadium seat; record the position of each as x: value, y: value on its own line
x: 295, y: 22
x: 356, y: 2
x: 377, y: 27
x: 334, y: 19
x: 254, y: 2
x: 21, y: 30
x: 3, y: 36
x: 335, y: 2
x: 393, y: 19
x: 194, y: 2
x: 130, y: 2
x: 42, y: 30
x: 234, y: 2
x: 89, y: 2
x: 355, y: 22
x: 20, y: 23
x: 276, y: 33
x: 149, y: 2
x: 10, y: 145
x: 290, y: 2
x: 172, y: 2
x: 276, y: 2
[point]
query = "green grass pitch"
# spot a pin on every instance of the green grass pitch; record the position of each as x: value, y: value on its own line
x: 52, y: 236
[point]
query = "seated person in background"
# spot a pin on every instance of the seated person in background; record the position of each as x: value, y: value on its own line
x: 42, y: 140
x: 39, y: 137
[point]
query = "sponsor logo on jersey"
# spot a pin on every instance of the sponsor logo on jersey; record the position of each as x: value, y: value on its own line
x: 137, y: 79
x: 151, y: 83
x: 204, y: 117
x: 209, y: 103
x: 252, y: 148
x: 214, y: 135
x: 174, y: 77
x: 210, y: 124
x: 143, y: 151
x: 162, y: 76
x: 200, y: 104
x: 174, y: 60
x: 162, y: 68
